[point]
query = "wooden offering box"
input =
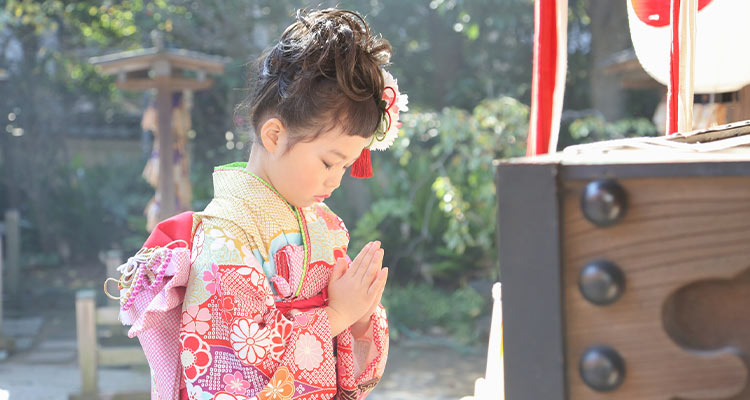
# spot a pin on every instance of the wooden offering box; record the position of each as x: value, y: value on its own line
x: 626, y: 269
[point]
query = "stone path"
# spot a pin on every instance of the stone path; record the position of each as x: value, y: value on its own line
x: 47, y: 369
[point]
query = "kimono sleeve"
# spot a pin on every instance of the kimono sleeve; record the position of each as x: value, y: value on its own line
x: 361, y: 360
x: 296, y: 353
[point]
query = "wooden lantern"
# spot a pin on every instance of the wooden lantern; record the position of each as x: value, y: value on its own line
x: 167, y: 70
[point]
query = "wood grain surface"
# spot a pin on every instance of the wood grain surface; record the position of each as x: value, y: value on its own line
x: 683, y: 247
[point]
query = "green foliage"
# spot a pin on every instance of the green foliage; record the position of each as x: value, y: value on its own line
x: 433, y: 198
x: 456, y: 52
x: 433, y: 195
x: 420, y: 307
x: 595, y: 128
x: 93, y: 22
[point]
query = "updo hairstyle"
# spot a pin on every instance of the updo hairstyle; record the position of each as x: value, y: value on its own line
x: 323, y: 73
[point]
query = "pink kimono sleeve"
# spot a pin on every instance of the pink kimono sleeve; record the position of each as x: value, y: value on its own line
x: 296, y: 354
x: 361, y: 360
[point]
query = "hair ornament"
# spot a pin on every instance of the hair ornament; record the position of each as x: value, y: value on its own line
x: 392, y: 102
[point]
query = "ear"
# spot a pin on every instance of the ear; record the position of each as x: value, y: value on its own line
x: 273, y: 135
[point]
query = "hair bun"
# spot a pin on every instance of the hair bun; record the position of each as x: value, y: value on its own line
x: 326, y: 65
x: 337, y: 45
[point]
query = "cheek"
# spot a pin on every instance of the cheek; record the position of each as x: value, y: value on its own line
x: 307, y: 176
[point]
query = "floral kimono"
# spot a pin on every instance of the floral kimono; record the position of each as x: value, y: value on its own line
x: 236, y: 310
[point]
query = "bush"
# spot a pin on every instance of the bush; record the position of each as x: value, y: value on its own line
x: 595, y: 128
x: 433, y: 194
x: 420, y: 307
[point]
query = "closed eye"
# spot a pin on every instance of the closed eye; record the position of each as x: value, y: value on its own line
x: 329, y: 166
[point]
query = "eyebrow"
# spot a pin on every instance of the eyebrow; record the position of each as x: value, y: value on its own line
x: 338, y: 153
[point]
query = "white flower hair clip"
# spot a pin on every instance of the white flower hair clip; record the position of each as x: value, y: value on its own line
x: 392, y: 102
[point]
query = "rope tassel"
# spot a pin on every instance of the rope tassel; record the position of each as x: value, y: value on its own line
x: 362, y: 168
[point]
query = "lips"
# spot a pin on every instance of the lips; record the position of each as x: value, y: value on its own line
x: 321, y: 198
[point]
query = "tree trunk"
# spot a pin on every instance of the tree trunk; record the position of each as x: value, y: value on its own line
x: 609, y: 34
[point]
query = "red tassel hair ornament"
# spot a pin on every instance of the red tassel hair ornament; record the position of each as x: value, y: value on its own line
x: 390, y: 103
x: 362, y: 168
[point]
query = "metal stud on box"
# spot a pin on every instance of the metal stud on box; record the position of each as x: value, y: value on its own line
x: 602, y: 368
x: 604, y: 202
x: 601, y: 282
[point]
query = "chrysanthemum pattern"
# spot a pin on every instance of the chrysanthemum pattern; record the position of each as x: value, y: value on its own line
x: 235, y: 343
x: 308, y: 352
x: 249, y: 341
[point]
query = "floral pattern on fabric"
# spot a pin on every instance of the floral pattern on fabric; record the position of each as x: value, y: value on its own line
x: 212, y: 278
x: 236, y: 383
x: 198, y: 240
x: 249, y: 341
x: 195, y: 356
x: 229, y: 396
x: 235, y: 343
x: 281, y: 386
x: 196, y: 319
x: 308, y: 353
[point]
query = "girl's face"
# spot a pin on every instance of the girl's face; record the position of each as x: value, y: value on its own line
x: 310, y: 171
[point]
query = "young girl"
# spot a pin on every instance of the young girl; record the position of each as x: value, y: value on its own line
x: 255, y: 297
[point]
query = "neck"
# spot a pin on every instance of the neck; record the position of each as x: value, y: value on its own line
x: 256, y: 164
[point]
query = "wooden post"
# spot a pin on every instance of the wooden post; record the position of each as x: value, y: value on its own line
x: 13, y: 242
x: 87, y: 343
x: 166, y: 153
x: 739, y: 110
x: 167, y: 204
x: 744, y: 100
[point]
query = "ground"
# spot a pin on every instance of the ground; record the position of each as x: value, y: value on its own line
x: 45, y: 368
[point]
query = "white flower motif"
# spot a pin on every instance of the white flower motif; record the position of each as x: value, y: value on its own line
x: 230, y: 396
x: 249, y: 341
x: 308, y: 352
x: 195, y: 392
x: 310, y: 214
x: 197, y: 244
x: 257, y: 278
x: 255, y: 275
x: 222, y: 238
x: 397, y: 102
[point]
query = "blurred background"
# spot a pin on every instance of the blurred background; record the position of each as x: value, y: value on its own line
x: 74, y: 147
